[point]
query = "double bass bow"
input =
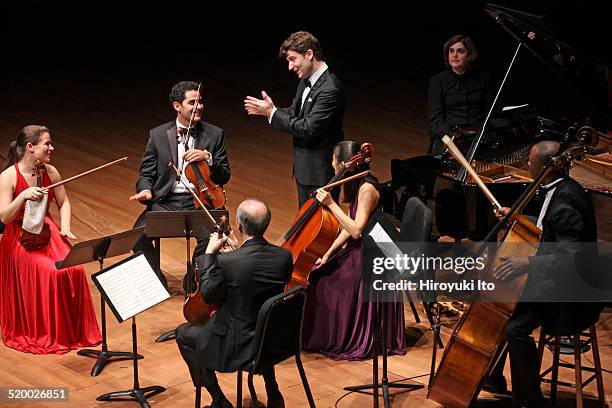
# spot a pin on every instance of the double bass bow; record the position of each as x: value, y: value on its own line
x: 475, y: 344
x: 198, y: 173
x: 315, y: 228
x: 195, y: 308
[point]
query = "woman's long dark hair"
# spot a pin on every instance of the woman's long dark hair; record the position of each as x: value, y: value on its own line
x: 29, y: 134
x: 343, y: 152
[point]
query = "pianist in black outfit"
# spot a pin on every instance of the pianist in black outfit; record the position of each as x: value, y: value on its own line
x: 458, y: 96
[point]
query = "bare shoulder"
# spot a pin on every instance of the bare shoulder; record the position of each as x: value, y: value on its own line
x: 368, y: 194
x: 8, y: 176
x: 367, y: 189
x: 53, y: 173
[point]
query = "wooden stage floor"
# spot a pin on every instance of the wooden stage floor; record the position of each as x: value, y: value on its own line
x: 103, y: 120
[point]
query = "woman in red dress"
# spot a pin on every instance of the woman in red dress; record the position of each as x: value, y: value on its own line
x: 42, y: 309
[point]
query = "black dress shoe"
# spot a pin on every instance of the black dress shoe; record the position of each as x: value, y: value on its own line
x: 496, y: 385
x: 276, y: 403
x: 224, y: 403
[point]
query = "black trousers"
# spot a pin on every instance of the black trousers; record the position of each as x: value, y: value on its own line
x: 172, y: 202
x: 187, y: 337
x: 523, y: 356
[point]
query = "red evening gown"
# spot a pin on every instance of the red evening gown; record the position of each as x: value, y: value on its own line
x: 43, y: 310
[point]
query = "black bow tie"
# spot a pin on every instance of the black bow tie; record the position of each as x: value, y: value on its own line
x: 182, y: 131
x: 307, y: 83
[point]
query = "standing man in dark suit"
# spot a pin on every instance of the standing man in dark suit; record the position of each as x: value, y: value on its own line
x: 315, y: 116
x: 567, y: 221
x: 240, y: 281
x: 157, y: 186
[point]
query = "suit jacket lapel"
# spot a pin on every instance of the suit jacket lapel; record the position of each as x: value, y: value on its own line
x: 317, y: 84
x: 313, y: 88
x: 298, y: 99
x: 551, y: 204
x: 173, y: 144
x: 200, y: 137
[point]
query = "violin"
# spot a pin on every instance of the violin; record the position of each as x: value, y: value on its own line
x: 198, y: 173
x: 212, y: 195
x: 195, y: 308
x: 32, y: 241
x: 315, y: 228
x: 29, y: 240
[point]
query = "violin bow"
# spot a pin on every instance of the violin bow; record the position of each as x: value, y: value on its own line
x: 59, y: 183
x: 346, y: 180
x: 195, y: 196
x: 197, y: 103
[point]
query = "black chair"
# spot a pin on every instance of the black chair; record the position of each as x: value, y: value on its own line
x: 278, y: 336
x: 416, y: 228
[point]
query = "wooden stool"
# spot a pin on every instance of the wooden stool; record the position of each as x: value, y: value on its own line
x: 579, y: 343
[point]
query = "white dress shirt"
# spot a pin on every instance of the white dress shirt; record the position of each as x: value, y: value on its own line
x: 312, y: 80
x: 550, y: 190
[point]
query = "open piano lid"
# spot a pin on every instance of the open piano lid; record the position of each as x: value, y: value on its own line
x: 575, y: 66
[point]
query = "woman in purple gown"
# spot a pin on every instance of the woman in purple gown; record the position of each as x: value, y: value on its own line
x: 338, y: 322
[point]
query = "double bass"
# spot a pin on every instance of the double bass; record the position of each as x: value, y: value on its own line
x: 476, y: 342
x: 315, y: 228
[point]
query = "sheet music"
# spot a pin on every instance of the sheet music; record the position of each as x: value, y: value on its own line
x: 512, y: 107
x: 389, y: 249
x: 132, y: 287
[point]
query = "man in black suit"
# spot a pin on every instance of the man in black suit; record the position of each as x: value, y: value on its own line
x: 240, y: 282
x: 157, y: 186
x: 567, y: 221
x: 315, y: 116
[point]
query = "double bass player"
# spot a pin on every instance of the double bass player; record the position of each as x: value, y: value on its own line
x: 567, y: 216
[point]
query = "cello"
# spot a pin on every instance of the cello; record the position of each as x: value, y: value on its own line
x: 314, y: 228
x: 198, y: 173
x: 475, y: 344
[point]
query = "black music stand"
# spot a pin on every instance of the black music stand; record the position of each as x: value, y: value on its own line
x: 97, y: 250
x: 126, y: 303
x: 380, y: 221
x: 177, y: 224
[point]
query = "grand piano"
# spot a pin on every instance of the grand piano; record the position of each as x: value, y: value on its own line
x: 500, y: 148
